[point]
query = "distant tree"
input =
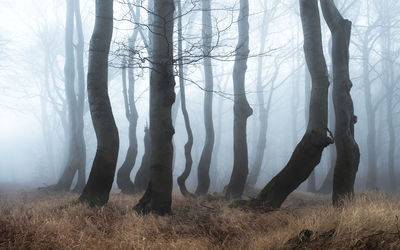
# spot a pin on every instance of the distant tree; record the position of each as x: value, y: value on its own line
x: 123, y: 175
x: 76, y: 160
x: 348, y: 154
x: 189, y: 144
x: 158, y: 196
x: 241, y: 107
x: 203, y: 169
x: 97, y: 189
x: 307, y: 153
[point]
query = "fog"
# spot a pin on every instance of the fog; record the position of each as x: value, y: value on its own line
x: 34, y: 137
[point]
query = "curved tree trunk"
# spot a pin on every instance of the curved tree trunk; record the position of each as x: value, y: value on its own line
x: 124, y: 173
x: 97, y: 189
x: 158, y: 196
x: 348, y: 154
x: 205, y: 159
x: 307, y: 153
x: 241, y: 107
x: 189, y: 144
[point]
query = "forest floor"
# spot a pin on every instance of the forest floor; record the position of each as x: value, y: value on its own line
x: 40, y: 220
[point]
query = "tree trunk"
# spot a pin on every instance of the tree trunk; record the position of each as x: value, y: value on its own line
x: 189, y: 144
x: 97, y: 189
x: 205, y: 159
x: 158, y: 196
x: 80, y: 102
x: 307, y: 153
x: 241, y: 107
x: 142, y: 177
x: 124, y: 173
x: 73, y: 161
x: 348, y: 154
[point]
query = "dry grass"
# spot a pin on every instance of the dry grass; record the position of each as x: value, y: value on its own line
x: 42, y: 221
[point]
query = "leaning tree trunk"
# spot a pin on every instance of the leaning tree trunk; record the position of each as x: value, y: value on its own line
x: 73, y: 161
x: 80, y: 102
x: 189, y: 144
x: 241, y: 107
x: 348, y: 154
x: 124, y: 173
x: 158, y: 196
x: 97, y: 189
x: 203, y: 169
x: 307, y: 153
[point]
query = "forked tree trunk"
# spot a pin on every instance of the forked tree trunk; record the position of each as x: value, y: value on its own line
x: 307, y: 153
x: 348, y: 154
x: 203, y: 169
x: 241, y: 107
x: 189, y: 144
x: 158, y: 196
x: 97, y: 189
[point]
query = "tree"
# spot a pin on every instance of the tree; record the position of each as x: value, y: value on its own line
x: 241, y: 107
x: 158, y: 195
x: 348, y: 154
x: 189, y: 144
x: 97, y: 189
x: 307, y: 153
x: 123, y: 175
x: 76, y: 159
x: 205, y: 159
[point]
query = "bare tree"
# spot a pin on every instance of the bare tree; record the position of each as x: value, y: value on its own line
x: 307, y: 153
x: 158, y: 196
x: 97, y: 189
x: 205, y: 159
x: 241, y: 107
x: 348, y: 154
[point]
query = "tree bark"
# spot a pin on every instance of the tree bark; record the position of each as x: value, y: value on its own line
x: 189, y: 144
x: 142, y: 177
x: 97, y: 189
x: 158, y: 196
x: 348, y: 154
x: 307, y: 153
x: 241, y: 107
x: 205, y: 159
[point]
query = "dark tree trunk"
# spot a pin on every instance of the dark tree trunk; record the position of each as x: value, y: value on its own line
x: 348, y: 154
x: 307, y: 153
x: 158, y: 196
x: 205, y: 159
x: 97, y: 189
x: 311, y: 185
x: 241, y: 107
x: 142, y: 177
x: 124, y: 173
x: 189, y: 144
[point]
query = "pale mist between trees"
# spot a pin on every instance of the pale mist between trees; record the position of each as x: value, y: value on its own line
x: 240, y: 99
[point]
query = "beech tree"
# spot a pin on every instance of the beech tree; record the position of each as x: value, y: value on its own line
x: 97, y: 189
x: 158, y: 196
x: 203, y: 169
x: 241, y: 107
x: 307, y: 153
x: 348, y: 154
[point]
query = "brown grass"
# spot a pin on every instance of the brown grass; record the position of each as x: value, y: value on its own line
x: 37, y: 220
